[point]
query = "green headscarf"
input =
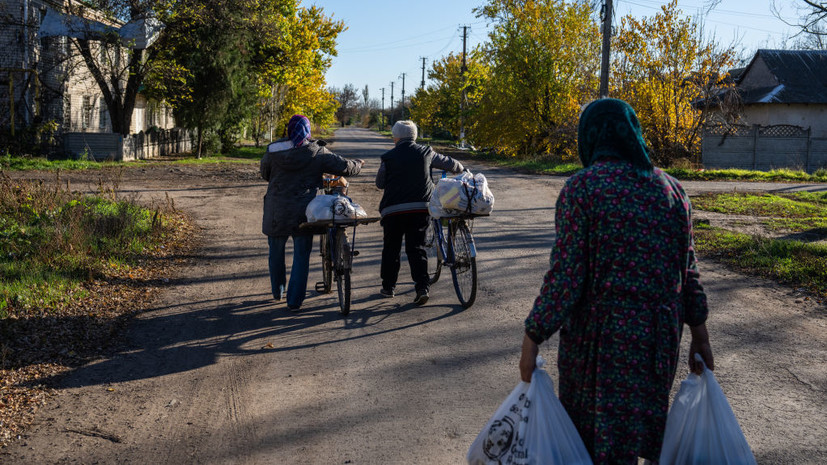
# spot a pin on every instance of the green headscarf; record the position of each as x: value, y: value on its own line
x: 610, y: 128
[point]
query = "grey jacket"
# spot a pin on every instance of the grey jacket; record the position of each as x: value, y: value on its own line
x: 295, y: 177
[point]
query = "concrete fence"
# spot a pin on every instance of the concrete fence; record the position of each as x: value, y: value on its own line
x: 108, y: 146
x: 763, y: 148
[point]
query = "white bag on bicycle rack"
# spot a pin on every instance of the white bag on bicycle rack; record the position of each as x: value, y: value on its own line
x: 465, y: 193
x: 530, y: 427
x: 330, y: 207
x: 701, y: 427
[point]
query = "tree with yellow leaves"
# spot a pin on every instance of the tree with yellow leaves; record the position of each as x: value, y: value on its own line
x: 670, y: 74
x: 543, y: 59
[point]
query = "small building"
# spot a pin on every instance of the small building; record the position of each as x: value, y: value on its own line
x: 782, y: 97
x: 44, y: 79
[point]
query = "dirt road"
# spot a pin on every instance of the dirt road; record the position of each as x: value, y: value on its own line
x: 215, y: 372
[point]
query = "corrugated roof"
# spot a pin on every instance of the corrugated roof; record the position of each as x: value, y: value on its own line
x: 801, y: 74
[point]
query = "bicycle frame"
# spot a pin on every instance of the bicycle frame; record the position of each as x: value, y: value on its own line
x: 446, y: 243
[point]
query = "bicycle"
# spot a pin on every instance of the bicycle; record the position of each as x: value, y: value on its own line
x: 449, y: 243
x: 336, y: 250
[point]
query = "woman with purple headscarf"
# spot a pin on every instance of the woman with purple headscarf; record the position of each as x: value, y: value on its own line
x: 293, y: 168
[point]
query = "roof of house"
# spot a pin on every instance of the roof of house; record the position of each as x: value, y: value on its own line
x: 800, y: 75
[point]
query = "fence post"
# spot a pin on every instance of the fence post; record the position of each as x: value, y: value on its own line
x: 755, y: 147
x: 809, y: 146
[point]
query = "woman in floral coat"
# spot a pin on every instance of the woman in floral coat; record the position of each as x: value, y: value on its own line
x: 622, y: 283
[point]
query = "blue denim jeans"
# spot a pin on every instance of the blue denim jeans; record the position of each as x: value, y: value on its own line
x: 297, y: 288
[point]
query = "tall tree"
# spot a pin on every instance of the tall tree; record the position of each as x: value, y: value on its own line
x: 438, y: 108
x: 663, y: 68
x: 296, y: 49
x: 348, y: 101
x: 543, y: 56
x: 210, y: 43
x: 117, y: 68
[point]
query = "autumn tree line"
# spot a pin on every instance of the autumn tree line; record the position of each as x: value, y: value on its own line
x: 523, y: 88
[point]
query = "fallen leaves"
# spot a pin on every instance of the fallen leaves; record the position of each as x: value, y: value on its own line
x: 38, y: 345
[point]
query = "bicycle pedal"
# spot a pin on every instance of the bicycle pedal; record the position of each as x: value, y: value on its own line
x: 355, y: 253
x: 320, y: 287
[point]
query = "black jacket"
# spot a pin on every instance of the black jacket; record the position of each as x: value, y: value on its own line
x: 294, y: 175
x: 405, y: 174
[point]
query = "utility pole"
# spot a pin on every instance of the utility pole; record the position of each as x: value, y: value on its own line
x: 393, y: 110
x: 422, y: 84
x: 382, y: 115
x: 462, y: 71
x: 403, y: 95
x: 606, y: 11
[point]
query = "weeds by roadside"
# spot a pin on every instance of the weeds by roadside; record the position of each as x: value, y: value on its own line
x: 777, y: 255
x: 73, y: 267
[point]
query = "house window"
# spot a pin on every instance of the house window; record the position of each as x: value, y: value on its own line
x: 103, y: 115
x: 67, y: 112
x: 86, y: 113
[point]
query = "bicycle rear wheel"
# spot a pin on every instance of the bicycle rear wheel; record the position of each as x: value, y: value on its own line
x: 464, y: 267
x: 327, y: 265
x: 343, y: 265
x: 433, y: 249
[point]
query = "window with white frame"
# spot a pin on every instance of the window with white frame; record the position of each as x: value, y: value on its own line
x: 86, y: 113
x: 103, y: 114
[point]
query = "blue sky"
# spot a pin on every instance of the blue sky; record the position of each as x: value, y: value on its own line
x: 386, y: 39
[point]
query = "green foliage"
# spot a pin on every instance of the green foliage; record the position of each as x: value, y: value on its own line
x: 662, y: 66
x: 543, y: 60
x: 438, y: 109
x: 52, y: 240
x: 792, y: 262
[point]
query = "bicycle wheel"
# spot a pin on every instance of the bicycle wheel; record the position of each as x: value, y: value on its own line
x: 464, y: 267
x: 434, y: 253
x: 327, y: 265
x: 342, y: 267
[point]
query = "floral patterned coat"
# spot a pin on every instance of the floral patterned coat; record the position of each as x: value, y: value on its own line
x: 623, y: 280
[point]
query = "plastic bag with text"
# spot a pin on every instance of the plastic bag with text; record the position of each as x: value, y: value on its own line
x: 701, y: 427
x: 530, y: 427
x: 329, y: 207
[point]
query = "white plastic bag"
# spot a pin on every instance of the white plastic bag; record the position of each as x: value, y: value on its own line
x: 530, y: 427
x: 701, y: 427
x: 462, y: 193
x: 333, y: 207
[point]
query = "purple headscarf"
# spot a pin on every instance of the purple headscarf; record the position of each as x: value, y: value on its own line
x: 298, y: 129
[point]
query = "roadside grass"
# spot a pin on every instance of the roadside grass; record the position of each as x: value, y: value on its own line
x: 54, y: 240
x: 72, y: 268
x: 793, y: 262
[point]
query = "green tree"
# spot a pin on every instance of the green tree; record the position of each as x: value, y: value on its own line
x: 663, y: 67
x: 438, y: 108
x: 214, y: 48
x: 543, y: 58
x: 296, y: 46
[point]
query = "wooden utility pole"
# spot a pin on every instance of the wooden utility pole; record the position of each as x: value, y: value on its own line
x: 382, y: 115
x: 462, y: 71
x: 422, y: 84
x: 403, y: 95
x: 393, y: 110
x: 607, y: 39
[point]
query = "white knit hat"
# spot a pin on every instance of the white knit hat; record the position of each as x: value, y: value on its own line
x: 405, y: 129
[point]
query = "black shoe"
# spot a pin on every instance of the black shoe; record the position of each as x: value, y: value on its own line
x: 421, y: 297
x: 387, y: 293
x: 293, y: 309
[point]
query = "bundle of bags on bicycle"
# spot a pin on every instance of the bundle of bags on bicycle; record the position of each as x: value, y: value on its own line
x: 465, y: 193
x: 334, y: 206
